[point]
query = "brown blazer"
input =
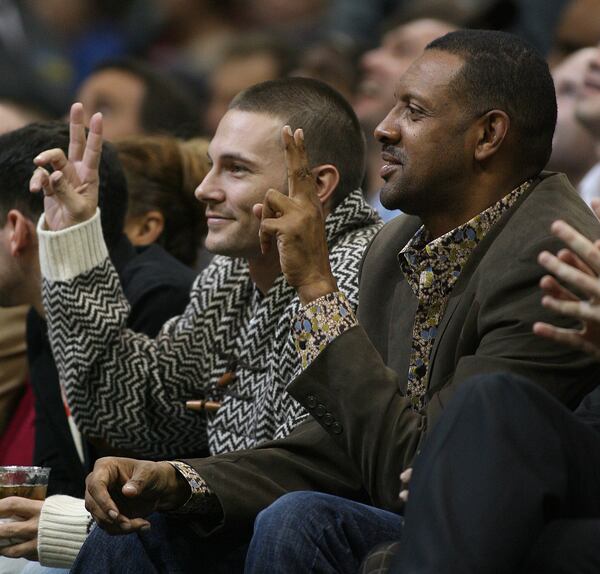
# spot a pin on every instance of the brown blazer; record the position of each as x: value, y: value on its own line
x: 363, y: 431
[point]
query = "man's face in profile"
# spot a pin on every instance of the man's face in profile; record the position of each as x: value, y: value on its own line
x: 247, y: 160
x: 424, y: 137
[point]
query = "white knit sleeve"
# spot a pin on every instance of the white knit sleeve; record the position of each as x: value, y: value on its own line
x: 67, y: 253
x: 63, y: 527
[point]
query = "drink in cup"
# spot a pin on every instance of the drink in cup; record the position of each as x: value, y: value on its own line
x: 25, y: 481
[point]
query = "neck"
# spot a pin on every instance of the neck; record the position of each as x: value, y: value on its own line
x: 264, y: 270
x: 473, y: 200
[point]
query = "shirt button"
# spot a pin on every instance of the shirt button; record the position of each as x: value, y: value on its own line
x: 320, y: 410
x: 336, y: 428
x: 311, y: 401
x: 328, y: 419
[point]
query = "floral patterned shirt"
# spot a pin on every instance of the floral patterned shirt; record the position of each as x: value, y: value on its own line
x: 431, y: 268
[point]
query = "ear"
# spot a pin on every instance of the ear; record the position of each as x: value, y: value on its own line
x: 145, y: 229
x: 21, y: 232
x: 492, y: 129
x: 327, y: 178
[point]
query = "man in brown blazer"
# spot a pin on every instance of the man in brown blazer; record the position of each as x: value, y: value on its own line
x: 447, y: 293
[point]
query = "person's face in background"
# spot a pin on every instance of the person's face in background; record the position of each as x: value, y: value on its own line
x: 119, y: 95
x: 587, y: 108
x: 234, y: 75
x: 572, y: 145
x: 383, y: 66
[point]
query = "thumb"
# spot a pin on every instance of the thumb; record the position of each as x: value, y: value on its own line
x: 138, y: 482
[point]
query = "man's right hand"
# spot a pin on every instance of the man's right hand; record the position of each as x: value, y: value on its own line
x: 120, y: 492
x: 71, y: 190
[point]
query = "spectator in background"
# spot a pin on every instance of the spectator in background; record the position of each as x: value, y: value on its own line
x: 244, y: 62
x: 16, y: 398
x: 155, y: 284
x: 381, y: 68
x: 162, y: 175
x: 136, y: 99
x: 331, y: 62
x: 573, y: 148
x: 587, y: 111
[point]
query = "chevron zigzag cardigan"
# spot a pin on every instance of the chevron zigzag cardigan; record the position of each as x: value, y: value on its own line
x: 130, y: 390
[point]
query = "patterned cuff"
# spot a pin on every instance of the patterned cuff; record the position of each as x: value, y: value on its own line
x: 202, y: 500
x: 319, y: 323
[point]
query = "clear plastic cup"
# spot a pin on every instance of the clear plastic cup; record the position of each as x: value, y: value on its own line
x: 26, y: 481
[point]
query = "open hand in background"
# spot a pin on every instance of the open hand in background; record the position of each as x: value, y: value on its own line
x: 71, y: 190
x: 296, y: 223
x: 579, y: 268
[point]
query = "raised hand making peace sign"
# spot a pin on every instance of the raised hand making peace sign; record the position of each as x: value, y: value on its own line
x: 297, y: 222
x: 71, y: 190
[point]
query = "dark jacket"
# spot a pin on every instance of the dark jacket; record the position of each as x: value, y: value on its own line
x: 157, y: 287
x: 371, y: 433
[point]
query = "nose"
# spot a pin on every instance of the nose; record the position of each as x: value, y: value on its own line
x: 388, y: 130
x: 209, y: 190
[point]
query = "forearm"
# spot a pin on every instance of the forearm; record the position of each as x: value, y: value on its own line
x: 114, y: 379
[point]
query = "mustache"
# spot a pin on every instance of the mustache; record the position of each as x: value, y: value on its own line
x: 392, y: 153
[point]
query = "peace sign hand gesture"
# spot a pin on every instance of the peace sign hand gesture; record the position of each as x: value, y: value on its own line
x: 71, y: 190
x: 297, y: 223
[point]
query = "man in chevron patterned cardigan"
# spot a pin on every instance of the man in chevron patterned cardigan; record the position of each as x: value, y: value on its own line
x: 232, y: 346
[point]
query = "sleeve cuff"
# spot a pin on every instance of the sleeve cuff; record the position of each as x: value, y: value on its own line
x: 319, y: 323
x: 202, y: 500
x: 70, y: 252
x: 63, y: 527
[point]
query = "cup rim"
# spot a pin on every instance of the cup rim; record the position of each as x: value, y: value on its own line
x: 18, y: 468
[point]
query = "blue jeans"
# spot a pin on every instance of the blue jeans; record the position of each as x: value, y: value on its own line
x: 170, y: 546
x: 312, y: 532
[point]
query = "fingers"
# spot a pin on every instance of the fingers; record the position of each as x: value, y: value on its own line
x: 97, y: 497
x: 578, y: 243
x: 55, y: 157
x: 39, y: 180
x: 403, y: 496
x: 93, y: 147
x: 406, y: 475
x: 19, y: 506
x: 76, y: 133
x: 583, y: 310
x: 596, y: 206
x: 19, y: 529
x: 300, y: 177
x: 275, y: 205
x: 567, y: 256
x: 574, y: 277
x: 26, y: 549
x: 568, y: 337
x: 553, y: 288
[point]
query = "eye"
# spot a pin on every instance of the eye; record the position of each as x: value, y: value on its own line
x: 237, y: 168
x: 413, y: 112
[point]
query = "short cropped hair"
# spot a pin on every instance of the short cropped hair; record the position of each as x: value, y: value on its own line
x: 17, y: 150
x: 502, y: 71
x: 331, y: 129
x: 168, y: 106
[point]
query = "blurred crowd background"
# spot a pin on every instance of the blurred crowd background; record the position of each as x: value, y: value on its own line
x: 213, y: 48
